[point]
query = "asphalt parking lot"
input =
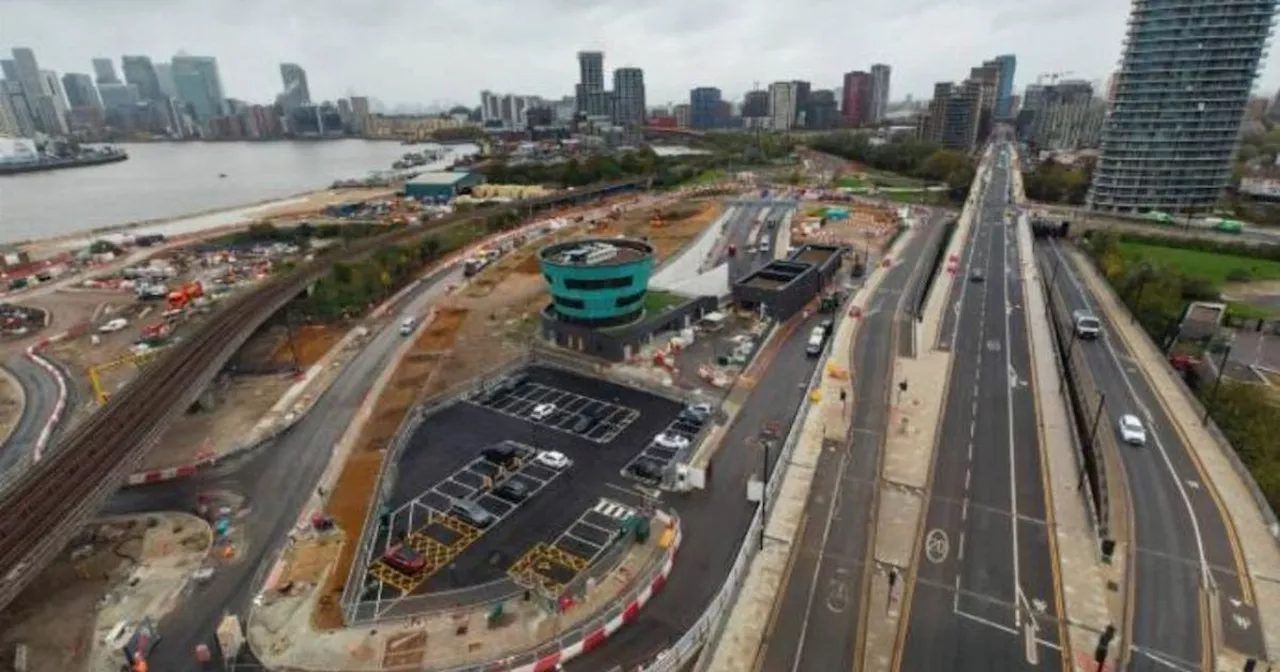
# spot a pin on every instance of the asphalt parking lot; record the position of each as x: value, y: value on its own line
x: 574, y: 508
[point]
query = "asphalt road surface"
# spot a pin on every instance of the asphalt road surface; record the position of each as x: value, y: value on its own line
x: 276, y: 482
x: 985, y: 590
x: 41, y: 390
x: 1181, y: 540
x: 815, y: 624
x: 714, y: 520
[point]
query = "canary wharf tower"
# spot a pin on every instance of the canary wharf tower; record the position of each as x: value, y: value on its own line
x: 1180, y: 96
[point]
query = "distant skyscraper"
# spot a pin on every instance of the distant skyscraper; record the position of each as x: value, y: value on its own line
x: 628, y: 96
x: 116, y: 96
x: 43, y: 110
x: 296, y: 92
x: 1168, y: 142
x: 10, y: 69
x: 858, y: 103
x: 104, y: 71
x: 81, y: 91
x: 704, y: 107
x: 139, y: 72
x: 879, y: 106
x: 1007, y: 63
x: 164, y: 73
x: 590, y: 82
x: 51, y: 86
x: 755, y: 105
x: 782, y: 105
x: 199, y: 86
x: 27, y: 70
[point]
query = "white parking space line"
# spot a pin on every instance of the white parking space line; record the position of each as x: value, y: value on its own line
x: 660, y: 455
x: 609, y: 420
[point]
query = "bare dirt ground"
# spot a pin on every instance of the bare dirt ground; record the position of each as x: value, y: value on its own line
x: 55, y: 616
x: 10, y: 406
x: 237, y: 404
x: 868, y: 226
x: 310, y: 344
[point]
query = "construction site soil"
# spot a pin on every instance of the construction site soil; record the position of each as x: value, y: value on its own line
x: 55, y: 617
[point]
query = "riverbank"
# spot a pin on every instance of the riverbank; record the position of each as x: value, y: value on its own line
x: 216, y: 219
x: 163, y: 182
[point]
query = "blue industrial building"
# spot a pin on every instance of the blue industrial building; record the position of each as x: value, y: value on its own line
x: 441, y: 186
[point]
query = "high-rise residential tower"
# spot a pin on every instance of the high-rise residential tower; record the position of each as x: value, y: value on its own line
x: 857, y: 98
x: 590, y: 89
x: 879, y: 92
x: 704, y: 107
x: 1173, y: 129
x: 628, y: 97
x: 1006, y: 64
x: 104, y: 71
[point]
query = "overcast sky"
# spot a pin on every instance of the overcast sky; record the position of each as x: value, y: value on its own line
x: 423, y: 51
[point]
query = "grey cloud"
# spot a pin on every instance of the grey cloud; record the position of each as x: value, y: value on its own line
x: 417, y: 51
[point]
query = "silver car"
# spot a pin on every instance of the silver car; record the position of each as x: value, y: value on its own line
x: 1132, y: 431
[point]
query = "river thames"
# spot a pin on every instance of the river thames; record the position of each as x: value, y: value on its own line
x: 169, y: 180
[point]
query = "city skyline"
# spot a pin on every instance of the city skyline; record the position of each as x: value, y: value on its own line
x: 1085, y: 41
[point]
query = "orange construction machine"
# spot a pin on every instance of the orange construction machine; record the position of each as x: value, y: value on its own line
x: 184, y: 295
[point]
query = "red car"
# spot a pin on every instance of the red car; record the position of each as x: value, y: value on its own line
x: 404, y: 559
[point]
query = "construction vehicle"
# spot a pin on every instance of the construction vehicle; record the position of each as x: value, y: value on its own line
x: 479, y: 261
x: 182, y: 297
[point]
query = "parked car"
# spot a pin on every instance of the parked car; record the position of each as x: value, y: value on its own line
x: 584, y: 424
x: 404, y: 559
x: 472, y: 513
x: 646, y: 469
x: 696, y: 413
x: 542, y: 411
x: 553, y: 459
x: 513, y: 491
x: 502, y: 454
x: 671, y: 440
x: 1132, y: 431
x: 114, y: 325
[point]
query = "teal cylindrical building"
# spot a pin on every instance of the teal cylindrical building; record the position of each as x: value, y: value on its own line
x: 597, y: 282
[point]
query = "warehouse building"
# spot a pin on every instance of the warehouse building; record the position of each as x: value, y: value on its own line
x: 442, y: 186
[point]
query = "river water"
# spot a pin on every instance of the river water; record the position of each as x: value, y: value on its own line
x: 168, y: 180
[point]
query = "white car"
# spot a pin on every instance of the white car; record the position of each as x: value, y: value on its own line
x: 553, y: 459
x: 114, y: 325
x: 1132, y: 431
x: 542, y: 411
x: 671, y: 440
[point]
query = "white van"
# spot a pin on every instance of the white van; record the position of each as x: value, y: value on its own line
x: 817, y: 339
x: 408, y: 325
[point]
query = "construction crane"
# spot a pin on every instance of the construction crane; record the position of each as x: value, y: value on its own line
x: 1053, y: 77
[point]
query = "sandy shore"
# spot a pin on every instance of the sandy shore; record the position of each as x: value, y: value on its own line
x: 218, y: 219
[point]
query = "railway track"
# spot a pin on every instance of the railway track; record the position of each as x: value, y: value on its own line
x: 44, y: 506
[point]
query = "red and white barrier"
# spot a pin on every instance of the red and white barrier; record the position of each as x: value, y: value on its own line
x: 46, y: 432
x: 160, y: 475
x: 595, y: 638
